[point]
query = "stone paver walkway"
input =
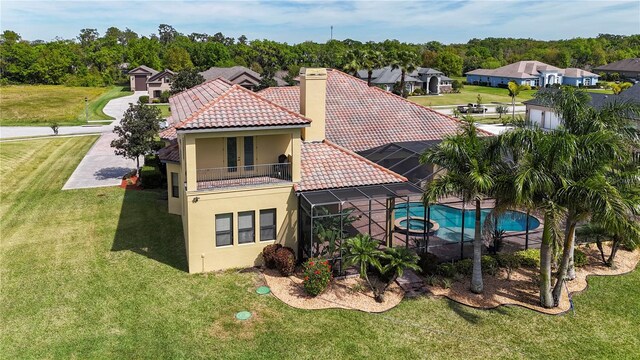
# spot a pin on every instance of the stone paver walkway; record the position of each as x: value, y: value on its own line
x: 101, y: 166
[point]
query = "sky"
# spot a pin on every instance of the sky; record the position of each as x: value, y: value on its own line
x: 298, y: 21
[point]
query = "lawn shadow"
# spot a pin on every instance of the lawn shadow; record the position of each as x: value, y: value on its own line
x: 146, y: 228
x: 111, y: 173
x: 463, y: 311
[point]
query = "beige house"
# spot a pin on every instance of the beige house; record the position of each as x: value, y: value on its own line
x: 239, y: 163
x: 144, y: 78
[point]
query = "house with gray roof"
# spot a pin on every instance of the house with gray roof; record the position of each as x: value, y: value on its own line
x: 542, y: 115
x: 138, y: 77
x: 626, y: 68
x: 432, y: 81
x: 240, y: 75
x: 533, y: 73
x: 154, y: 82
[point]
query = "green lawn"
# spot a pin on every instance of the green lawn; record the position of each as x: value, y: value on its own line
x: 165, y: 112
x: 44, y: 104
x: 469, y: 94
x: 99, y: 273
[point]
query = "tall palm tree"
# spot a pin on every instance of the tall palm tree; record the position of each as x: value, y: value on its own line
x: 372, y: 60
x: 470, y: 167
x: 407, y: 62
x: 514, y: 90
x: 353, y: 61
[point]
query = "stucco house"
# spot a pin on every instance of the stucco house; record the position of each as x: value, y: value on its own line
x: 240, y: 75
x: 626, y: 68
x: 144, y: 78
x: 246, y: 169
x: 430, y: 80
x: 533, y: 73
x: 543, y: 116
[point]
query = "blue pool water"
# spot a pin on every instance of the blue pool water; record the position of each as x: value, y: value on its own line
x: 450, y: 220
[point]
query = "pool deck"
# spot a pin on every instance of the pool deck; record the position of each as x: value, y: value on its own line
x: 445, y: 249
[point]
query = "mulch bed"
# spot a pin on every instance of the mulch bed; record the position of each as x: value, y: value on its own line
x: 522, y: 288
x: 350, y: 293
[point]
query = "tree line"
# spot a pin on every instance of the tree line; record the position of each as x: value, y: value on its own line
x: 94, y: 59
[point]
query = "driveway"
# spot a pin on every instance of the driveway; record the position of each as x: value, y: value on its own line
x: 101, y: 166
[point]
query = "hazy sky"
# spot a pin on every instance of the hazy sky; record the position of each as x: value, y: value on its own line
x: 297, y: 21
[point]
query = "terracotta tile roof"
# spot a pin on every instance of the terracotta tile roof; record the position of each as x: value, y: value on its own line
x: 325, y: 165
x: 170, y: 153
x: 185, y: 103
x: 239, y: 107
x: 360, y: 117
x: 168, y: 133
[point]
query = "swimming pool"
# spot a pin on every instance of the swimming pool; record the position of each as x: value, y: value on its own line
x: 450, y: 220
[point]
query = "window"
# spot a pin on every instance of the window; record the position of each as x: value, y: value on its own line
x: 232, y: 154
x: 248, y: 153
x: 156, y: 93
x: 175, y: 190
x: 246, y: 227
x: 224, y: 229
x: 267, y: 224
x: 587, y: 81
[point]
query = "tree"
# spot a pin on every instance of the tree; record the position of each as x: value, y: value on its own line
x: 353, y: 62
x: 514, y: 90
x: 362, y: 251
x: 166, y: 33
x: 406, y: 61
x: 470, y: 168
x: 397, y: 261
x: 177, y: 59
x: 617, y: 88
x: 372, y: 60
x: 186, y: 79
x: 449, y: 63
x: 137, y: 132
x: 501, y: 109
x: 457, y: 85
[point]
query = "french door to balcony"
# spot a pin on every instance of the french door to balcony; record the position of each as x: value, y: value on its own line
x: 240, y: 154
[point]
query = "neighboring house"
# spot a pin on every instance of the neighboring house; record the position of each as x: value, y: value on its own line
x: 627, y: 68
x: 240, y: 75
x: 159, y: 83
x: 244, y: 168
x: 430, y: 80
x: 533, y: 73
x: 543, y: 116
x: 144, y: 78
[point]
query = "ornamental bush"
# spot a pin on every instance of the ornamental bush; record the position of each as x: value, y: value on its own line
x: 269, y: 255
x: 579, y: 258
x: 317, y: 276
x: 144, y: 99
x: 464, y: 266
x: 428, y: 262
x: 529, y: 258
x: 151, y: 177
x: 285, y: 260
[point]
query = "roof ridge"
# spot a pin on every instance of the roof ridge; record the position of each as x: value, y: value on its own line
x: 362, y: 158
x: 206, y: 106
x: 254, y: 94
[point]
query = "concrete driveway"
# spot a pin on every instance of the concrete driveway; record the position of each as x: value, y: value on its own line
x: 101, y: 166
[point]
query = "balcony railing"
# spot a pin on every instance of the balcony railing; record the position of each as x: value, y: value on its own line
x: 213, y: 178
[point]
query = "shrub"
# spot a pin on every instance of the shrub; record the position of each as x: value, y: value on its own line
x: 446, y: 283
x: 509, y: 261
x: 151, y: 160
x: 579, y: 258
x: 54, y: 127
x: 464, y: 266
x: 489, y: 265
x: 151, y: 177
x: 417, y: 92
x: 317, y: 276
x: 428, y: 262
x: 529, y: 258
x: 446, y: 270
x: 144, y: 99
x: 156, y: 101
x: 164, y: 96
x: 457, y: 85
x: 285, y: 260
x: 269, y: 255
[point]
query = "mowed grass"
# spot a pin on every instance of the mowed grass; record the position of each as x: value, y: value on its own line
x: 469, y: 94
x: 99, y: 273
x: 42, y: 105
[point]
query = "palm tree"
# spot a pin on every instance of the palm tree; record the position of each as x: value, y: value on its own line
x: 372, y: 60
x: 363, y: 251
x: 353, y: 62
x: 469, y: 165
x: 398, y: 260
x: 514, y: 90
x: 407, y: 62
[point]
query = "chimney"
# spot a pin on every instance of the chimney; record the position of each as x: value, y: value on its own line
x: 313, y: 93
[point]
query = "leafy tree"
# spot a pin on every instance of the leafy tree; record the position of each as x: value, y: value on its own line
x: 137, y: 132
x: 177, y: 59
x: 167, y: 33
x: 470, y: 167
x: 457, y: 85
x: 186, y: 79
x: 449, y: 63
x: 515, y: 90
x: 353, y: 62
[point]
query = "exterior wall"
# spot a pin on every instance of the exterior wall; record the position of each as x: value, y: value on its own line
x: 161, y: 86
x: 175, y: 204
x: 203, y: 254
x: 132, y: 81
x: 579, y: 81
x: 494, y: 81
x: 543, y: 117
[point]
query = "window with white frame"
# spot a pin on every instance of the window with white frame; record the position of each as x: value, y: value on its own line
x: 267, y: 224
x: 224, y: 229
x: 246, y: 227
x: 175, y: 183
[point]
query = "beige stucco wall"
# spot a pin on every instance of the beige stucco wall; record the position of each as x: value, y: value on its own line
x: 174, y: 204
x: 204, y: 255
x: 151, y: 87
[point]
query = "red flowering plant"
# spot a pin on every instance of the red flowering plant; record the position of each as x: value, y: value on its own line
x: 317, y: 276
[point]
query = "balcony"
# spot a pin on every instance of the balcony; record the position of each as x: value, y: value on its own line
x: 240, y: 176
